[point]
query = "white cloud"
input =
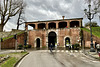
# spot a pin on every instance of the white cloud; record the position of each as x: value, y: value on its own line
x: 9, y: 26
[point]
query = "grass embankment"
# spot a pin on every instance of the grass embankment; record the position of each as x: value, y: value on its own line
x: 12, y: 36
x: 14, y: 57
x: 95, y: 31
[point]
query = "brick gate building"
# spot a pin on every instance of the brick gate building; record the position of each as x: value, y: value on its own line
x: 63, y: 32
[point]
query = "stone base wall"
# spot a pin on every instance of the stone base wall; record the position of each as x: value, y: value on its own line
x: 10, y: 43
x: 72, y: 33
x: 87, y: 37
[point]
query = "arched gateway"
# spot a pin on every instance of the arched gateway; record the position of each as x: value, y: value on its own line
x: 56, y: 32
x: 37, y: 43
x: 67, y: 41
x: 52, y: 38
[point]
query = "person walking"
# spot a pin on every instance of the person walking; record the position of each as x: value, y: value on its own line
x: 51, y: 47
x: 55, y: 46
x: 98, y: 48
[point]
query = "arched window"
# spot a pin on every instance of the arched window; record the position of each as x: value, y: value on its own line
x: 67, y: 41
x: 52, y: 25
x: 31, y: 26
x: 74, y: 24
x: 62, y: 24
x: 41, y: 26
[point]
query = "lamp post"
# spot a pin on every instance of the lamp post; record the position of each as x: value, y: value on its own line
x: 15, y: 37
x: 1, y: 40
x: 25, y: 40
x: 90, y: 16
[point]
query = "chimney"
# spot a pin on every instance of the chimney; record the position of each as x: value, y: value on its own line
x: 63, y: 17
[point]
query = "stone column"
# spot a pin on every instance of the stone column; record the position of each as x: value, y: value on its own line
x: 26, y: 27
x: 68, y: 24
x: 57, y: 25
x: 36, y: 26
x: 80, y: 23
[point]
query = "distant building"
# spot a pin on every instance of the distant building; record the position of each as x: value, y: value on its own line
x: 62, y: 32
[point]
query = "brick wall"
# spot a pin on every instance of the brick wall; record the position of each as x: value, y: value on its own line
x: 72, y: 33
x: 86, y: 38
x: 10, y: 43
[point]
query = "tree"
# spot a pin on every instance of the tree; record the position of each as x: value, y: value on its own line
x: 93, y: 24
x: 20, y: 17
x: 8, y: 9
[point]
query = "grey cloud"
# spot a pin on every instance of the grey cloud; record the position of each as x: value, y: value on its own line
x: 51, y: 9
x: 53, y: 6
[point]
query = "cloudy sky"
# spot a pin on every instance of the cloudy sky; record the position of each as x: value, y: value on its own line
x: 37, y: 10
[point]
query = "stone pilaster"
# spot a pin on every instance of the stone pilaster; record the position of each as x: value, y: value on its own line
x: 57, y: 25
x: 68, y: 24
x: 80, y: 23
x: 36, y: 26
x: 26, y: 27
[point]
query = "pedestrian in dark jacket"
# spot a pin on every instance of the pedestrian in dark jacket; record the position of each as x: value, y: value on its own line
x: 51, y: 47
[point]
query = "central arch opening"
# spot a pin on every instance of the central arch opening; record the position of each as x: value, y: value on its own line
x: 52, y: 39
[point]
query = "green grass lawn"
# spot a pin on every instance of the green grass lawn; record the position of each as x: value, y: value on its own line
x: 14, y: 57
x: 95, y: 31
x: 10, y: 62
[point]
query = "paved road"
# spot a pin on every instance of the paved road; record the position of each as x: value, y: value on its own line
x: 57, y: 59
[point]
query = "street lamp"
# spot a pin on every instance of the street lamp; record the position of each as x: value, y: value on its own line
x: 90, y: 16
x: 15, y: 37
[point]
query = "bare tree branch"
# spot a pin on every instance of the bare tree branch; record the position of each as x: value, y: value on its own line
x: 8, y: 9
x: 20, y: 17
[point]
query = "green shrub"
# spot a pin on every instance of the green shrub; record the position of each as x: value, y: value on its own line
x: 76, y: 46
x: 29, y: 46
x: 72, y: 47
x: 43, y: 46
x: 20, y: 46
x: 25, y: 46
